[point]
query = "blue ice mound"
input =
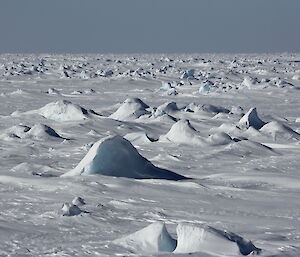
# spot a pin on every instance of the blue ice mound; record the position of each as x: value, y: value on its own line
x: 116, y: 156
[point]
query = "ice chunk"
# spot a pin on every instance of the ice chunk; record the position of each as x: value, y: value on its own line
x: 53, y: 91
x: 189, y: 74
x: 205, y: 89
x: 167, y: 85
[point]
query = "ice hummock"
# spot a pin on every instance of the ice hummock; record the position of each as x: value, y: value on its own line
x: 69, y: 209
x: 63, y: 110
x: 279, y: 131
x: 251, y: 119
x: 131, y: 108
x: 155, y: 239
x: 38, y: 131
x: 182, y: 132
x: 151, y: 239
x: 42, y: 131
x: 116, y: 156
x: 192, y: 239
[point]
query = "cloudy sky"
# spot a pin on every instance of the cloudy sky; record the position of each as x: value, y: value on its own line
x: 149, y: 26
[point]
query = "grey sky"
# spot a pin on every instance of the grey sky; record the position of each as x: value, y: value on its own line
x: 149, y: 26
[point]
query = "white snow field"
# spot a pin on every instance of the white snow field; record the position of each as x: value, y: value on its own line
x: 150, y: 155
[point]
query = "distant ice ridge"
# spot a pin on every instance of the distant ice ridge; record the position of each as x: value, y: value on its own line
x: 190, y: 239
x: 116, y: 156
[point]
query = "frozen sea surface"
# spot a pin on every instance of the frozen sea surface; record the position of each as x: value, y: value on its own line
x: 229, y: 123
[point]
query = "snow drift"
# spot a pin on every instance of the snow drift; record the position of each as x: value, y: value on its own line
x: 151, y: 239
x: 116, y: 156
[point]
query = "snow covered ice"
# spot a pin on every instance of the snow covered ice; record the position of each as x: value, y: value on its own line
x: 116, y: 156
x: 95, y: 151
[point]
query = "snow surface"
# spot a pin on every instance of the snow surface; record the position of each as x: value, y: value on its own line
x: 230, y: 123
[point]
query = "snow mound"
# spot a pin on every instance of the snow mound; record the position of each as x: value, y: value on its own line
x: 70, y: 210
x: 38, y: 131
x: 116, y: 156
x: 248, y: 147
x: 182, y: 132
x: 132, y: 108
x: 296, y: 77
x: 192, y: 239
x: 227, y: 128
x: 78, y: 201
x: 279, y: 131
x: 249, y: 82
x: 41, y: 131
x: 167, y: 85
x: 220, y: 138
x: 161, y: 115
x: 214, y: 109
x: 193, y: 107
x: 251, y: 119
x: 169, y: 108
x: 139, y: 138
x: 237, y: 110
x: 53, y: 91
x: 151, y: 239
x: 189, y: 74
x: 17, y: 131
x: 63, y: 110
